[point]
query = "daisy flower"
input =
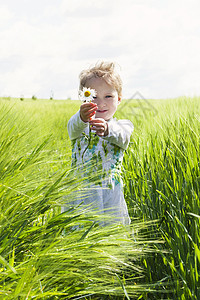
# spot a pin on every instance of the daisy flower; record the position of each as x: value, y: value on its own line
x: 87, y: 94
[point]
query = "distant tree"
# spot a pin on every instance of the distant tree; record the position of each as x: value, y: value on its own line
x: 52, y: 95
x: 34, y: 97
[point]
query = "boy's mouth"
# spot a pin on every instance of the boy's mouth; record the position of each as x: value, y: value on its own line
x: 101, y: 110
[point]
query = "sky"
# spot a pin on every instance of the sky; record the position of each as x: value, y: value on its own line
x: 45, y: 44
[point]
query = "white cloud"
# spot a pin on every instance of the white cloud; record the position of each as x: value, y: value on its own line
x: 87, y: 9
x: 5, y: 15
x: 45, y: 45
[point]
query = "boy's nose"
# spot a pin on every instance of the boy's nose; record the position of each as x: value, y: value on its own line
x: 100, y: 102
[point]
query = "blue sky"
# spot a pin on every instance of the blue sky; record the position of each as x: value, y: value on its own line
x: 46, y: 43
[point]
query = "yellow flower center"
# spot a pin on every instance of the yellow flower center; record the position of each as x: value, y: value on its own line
x: 87, y: 93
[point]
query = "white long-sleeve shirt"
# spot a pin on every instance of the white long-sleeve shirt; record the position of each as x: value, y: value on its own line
x: 98, y: 160
x: 119, y: 131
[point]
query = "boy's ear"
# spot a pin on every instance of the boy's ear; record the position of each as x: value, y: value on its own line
x: 119, y: 99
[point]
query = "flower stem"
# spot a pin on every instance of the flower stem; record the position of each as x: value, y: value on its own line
x: 89, y: 139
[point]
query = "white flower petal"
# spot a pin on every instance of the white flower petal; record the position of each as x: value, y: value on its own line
x: 91, y: 94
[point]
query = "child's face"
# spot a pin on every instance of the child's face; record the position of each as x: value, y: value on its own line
x: 107, y: 98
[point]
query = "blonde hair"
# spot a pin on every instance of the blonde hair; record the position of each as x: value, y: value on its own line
x: 104, y: 70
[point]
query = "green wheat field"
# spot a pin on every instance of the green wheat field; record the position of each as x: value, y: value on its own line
x: 46, y: 254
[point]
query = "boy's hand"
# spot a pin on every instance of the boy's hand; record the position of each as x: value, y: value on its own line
x: 100, y: 126
x: 87, y: 111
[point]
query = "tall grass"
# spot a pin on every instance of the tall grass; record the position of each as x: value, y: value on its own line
x: 46, y: 254
x: 161, y: 174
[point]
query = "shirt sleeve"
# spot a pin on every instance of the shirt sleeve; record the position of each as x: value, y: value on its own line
x: 119, y: 132
x: 76, y: 126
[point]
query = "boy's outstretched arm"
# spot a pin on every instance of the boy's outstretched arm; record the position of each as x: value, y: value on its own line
x: 119, y: 132
x: 116, y: 132
x: 78, y: 122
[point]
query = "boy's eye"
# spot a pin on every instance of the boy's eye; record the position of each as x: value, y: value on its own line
x: 108, y: 96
